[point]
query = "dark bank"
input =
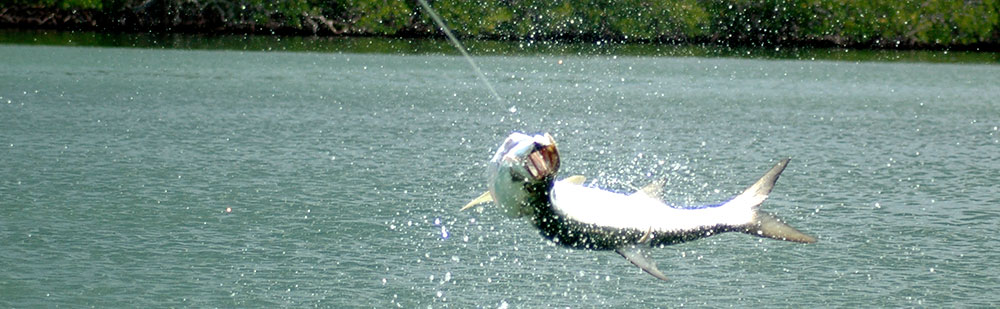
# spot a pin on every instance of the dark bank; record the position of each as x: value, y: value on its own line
x: 934, y: 24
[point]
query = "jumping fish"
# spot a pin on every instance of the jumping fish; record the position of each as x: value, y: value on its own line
x: 522, y: 181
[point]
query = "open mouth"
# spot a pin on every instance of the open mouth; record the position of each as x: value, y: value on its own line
x: 537, y: 155
x: 544, y: 160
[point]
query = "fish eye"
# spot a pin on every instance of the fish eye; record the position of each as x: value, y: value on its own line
x: 513, y: 140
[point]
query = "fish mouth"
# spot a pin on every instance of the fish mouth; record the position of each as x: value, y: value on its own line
x: 543, y: 161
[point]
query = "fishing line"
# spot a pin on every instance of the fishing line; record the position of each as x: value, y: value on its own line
x: 454, y: 41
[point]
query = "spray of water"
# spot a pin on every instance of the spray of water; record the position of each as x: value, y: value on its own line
x: 458, y: 45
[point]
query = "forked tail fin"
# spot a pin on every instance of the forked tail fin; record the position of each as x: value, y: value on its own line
x: 765, y: 224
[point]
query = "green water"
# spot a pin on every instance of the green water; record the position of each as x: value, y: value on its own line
x: 344, y: 172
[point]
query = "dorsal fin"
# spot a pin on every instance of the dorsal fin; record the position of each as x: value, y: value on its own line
x: 639, y: 256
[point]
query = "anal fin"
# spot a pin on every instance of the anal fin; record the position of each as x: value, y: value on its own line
x: 653, y: 190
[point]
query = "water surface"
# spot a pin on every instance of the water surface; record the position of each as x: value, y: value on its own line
x: 344, y: 173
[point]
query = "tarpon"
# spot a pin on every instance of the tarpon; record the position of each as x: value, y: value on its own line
x: 522, y: 181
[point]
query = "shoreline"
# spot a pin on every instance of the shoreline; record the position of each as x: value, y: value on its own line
x: 146, y: 20
x: 486, y: 48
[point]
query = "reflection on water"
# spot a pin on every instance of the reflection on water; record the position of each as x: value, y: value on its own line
x: 424, y: 46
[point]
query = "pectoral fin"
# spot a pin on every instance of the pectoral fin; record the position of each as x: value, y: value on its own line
x: 640, y: 257
x: 485, y: 198
x: 575, y: 179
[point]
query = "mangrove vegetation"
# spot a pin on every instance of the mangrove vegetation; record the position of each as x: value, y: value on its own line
x: 971, y: 24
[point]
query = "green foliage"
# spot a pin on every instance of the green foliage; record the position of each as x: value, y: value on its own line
x: 628, y: 19
x: 847, y: 22
x: 474, y: 18
x: 59, y: 4
x: 758, y: 21
x: 385, y: 17
x: 893, y: 23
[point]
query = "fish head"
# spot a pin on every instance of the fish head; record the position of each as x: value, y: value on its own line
x: 523, y: 171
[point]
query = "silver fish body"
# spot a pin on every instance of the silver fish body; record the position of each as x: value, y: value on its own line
x: 522, y: 181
